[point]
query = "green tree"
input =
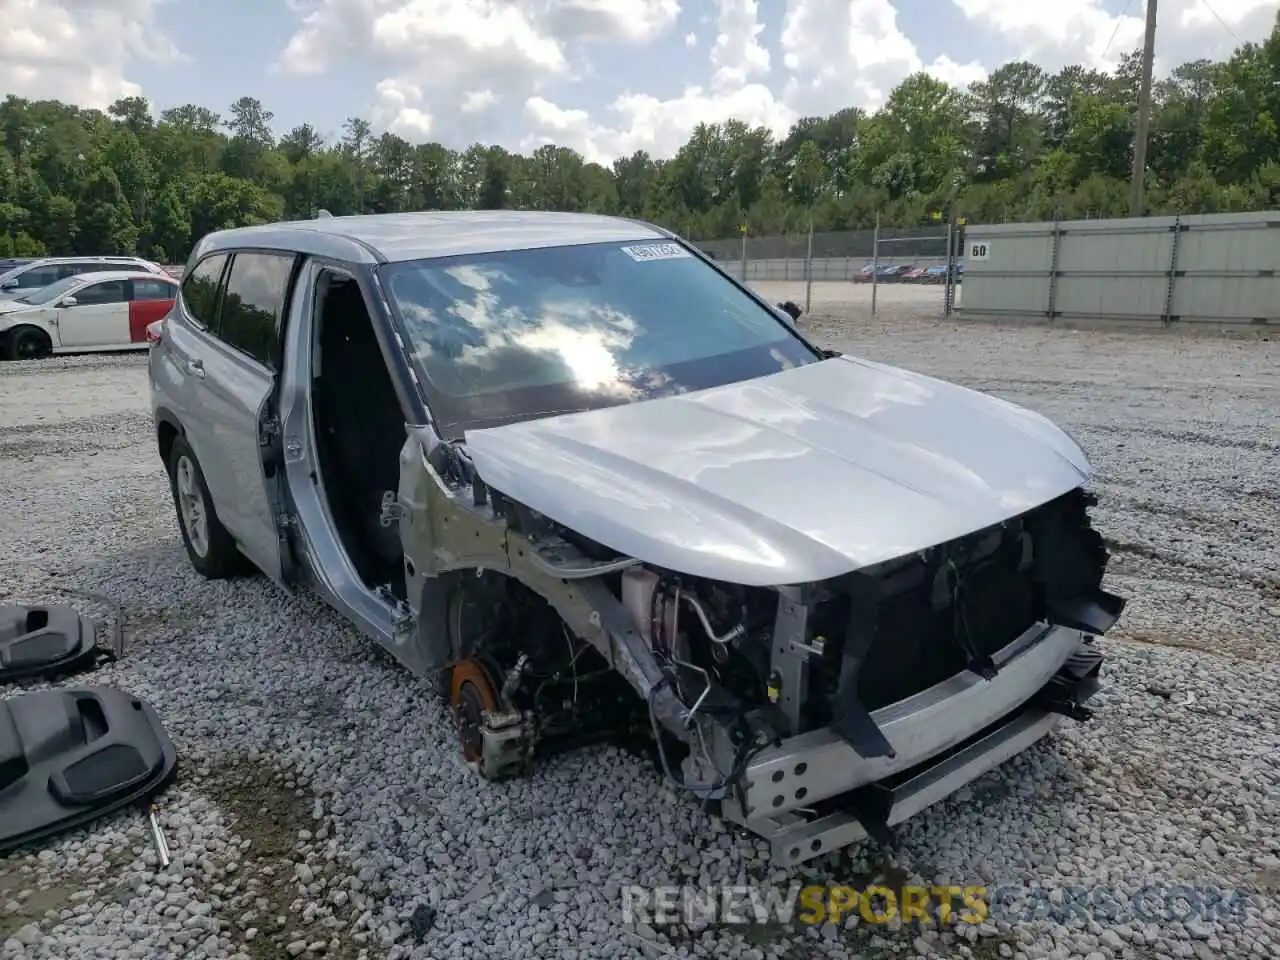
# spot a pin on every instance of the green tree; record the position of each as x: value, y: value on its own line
x: 105, y: 222
x: 170, y: 227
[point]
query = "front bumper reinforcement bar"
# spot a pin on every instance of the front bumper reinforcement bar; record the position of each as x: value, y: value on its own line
x: 945, y: 737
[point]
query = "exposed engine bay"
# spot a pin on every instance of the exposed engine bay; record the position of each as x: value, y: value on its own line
x: 813, y: 686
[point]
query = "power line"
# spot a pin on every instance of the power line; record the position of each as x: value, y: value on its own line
x: 1225, y: 26
x: 1116, y: 29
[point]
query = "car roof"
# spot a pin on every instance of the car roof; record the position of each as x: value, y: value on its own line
x: 109, y: 257
x: 396, y: 237
x: 124, y: 275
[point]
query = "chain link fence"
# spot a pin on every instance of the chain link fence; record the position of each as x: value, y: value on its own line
x: 858, y: 269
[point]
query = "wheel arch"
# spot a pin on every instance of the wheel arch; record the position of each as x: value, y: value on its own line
x: 168, y: 429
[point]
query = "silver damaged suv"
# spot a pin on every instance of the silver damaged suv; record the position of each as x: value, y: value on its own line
x: 568, y: 470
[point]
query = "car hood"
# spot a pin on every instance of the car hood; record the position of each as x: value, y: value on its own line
x: 798, y: 476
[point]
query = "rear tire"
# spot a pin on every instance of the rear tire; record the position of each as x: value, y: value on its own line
x: 210, y: 548
x: 27, y: 343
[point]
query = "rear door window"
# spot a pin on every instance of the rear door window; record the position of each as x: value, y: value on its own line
x: 200, y: 290
x: 254, y: 303
x: 152, y: 290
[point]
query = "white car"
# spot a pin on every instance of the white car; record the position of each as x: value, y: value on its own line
x: 29, y: 277
x: 108, y: 310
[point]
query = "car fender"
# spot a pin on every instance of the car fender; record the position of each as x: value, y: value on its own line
x: 39, y: 319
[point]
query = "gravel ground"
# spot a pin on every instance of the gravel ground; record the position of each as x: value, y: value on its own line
x: 322, y: 809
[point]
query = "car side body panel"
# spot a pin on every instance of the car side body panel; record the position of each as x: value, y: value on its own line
x: 88, y: 325
x: 220, y: 398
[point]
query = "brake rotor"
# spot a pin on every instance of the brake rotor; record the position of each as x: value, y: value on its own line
x: 471, y: 693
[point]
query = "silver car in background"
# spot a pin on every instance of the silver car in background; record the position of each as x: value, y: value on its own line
x: 32, y: 276
x: 587, y: 483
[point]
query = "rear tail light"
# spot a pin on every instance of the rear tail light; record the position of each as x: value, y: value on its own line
x: 154, y: 330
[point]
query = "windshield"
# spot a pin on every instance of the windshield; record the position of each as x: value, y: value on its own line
x: 506, y: 336
x: 50, y: 293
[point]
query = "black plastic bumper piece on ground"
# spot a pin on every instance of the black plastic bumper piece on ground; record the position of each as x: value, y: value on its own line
x: 44, y: 641
x: 68, y: 757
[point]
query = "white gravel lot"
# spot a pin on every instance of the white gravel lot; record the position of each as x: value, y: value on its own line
x: 321, y: 799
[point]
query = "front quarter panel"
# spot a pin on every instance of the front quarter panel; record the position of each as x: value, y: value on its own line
x: 31, y: 318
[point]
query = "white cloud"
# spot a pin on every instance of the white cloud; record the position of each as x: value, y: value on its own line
x: 956, y: 74
x: 471, y: 53
x: 396, y: 109
x: 630, y: 21
x: 478, y: 101
x: 691, y: 40
x: 468, y: 53
x: 737, y: 53
x: 647, y: 123
x: 77, y: 50
x: 853, y: 52
x: 1063, y: 31
x: 446, y: 41
x: 1192, y: 29
x: 1083, y: 31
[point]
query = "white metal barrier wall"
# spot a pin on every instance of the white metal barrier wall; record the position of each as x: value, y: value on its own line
x: 1214, y: 269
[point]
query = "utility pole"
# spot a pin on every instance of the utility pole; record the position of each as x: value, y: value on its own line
x: 1144, y: 114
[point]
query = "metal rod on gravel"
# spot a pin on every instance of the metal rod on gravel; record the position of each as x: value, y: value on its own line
x: 157, y: 837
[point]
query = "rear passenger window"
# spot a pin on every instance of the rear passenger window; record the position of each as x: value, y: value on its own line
x: 254, y: 302
x: 152, y: 290
x: 200, y: 289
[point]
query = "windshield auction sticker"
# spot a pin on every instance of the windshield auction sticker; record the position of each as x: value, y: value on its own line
x: 656, y: 251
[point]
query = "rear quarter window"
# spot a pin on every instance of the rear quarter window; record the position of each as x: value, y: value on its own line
x: 253, y: 304
x: 200, y: 289
x: 153, y: 290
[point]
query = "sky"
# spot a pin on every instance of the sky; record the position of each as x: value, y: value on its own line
x: 606, y: 77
